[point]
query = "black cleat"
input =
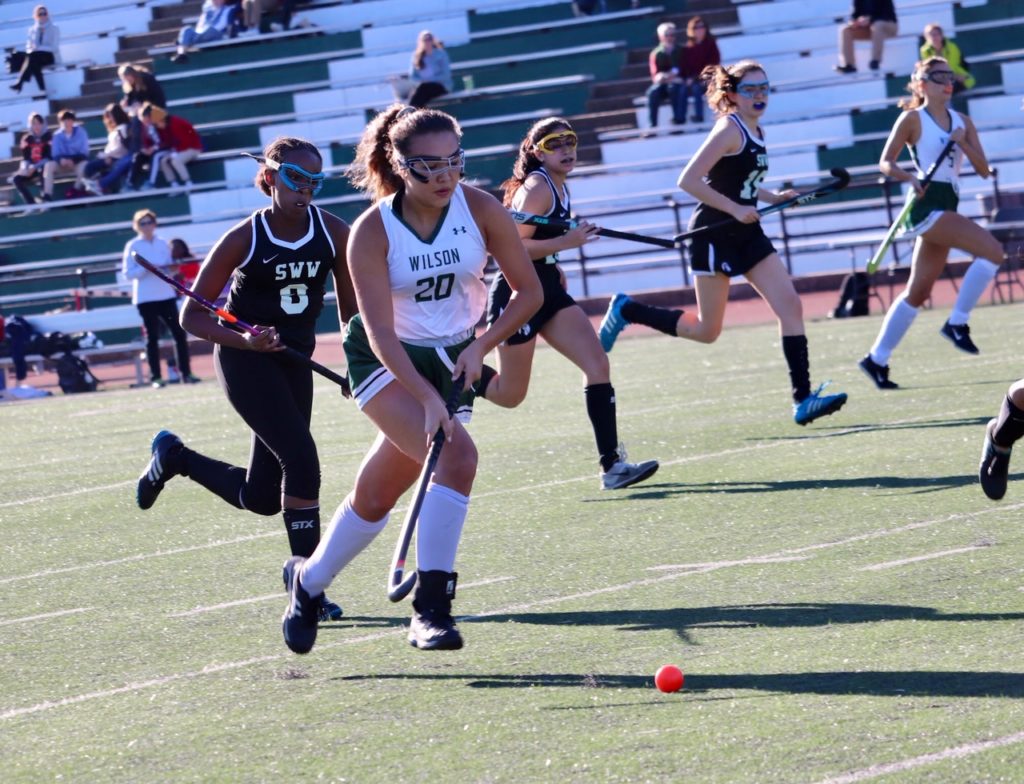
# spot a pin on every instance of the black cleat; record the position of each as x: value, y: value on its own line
x: 995, y: 466
x: 165, y: 463
x: 300, y: 619
x: 432, y: 627
x: 960, y: 336
x: 877, y: 373
x: 329, y: 611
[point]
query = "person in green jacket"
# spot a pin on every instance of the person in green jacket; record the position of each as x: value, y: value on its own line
x: 937, y: 45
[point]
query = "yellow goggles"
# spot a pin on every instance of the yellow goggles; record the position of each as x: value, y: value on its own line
x: 560, y: 140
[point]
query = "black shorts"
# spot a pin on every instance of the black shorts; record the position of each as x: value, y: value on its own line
x: 556, y: 298
x: 733, y: 250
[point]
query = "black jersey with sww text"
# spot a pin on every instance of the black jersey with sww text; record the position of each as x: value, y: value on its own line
x: 560, y: 211
x: 281, y: 283
x: 737, y: 176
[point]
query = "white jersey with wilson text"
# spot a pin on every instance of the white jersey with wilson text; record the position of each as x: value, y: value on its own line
x: 437, y: 286
x: 930, y: 145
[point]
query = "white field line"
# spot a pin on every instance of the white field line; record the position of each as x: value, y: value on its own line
x: 720, y: 564
x: 957, y: 752
x: 904, y: 561
x: 45, y: 616
x: 282, y: 596
x: 41, y: 499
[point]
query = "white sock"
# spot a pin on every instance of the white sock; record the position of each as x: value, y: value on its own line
x: 348, y: 536
x: 975, y: 281
x: 440, y: 527
x: 897, y: 322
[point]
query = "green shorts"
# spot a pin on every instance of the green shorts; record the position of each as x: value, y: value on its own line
x: 940, y: 197
x: 368, y: 376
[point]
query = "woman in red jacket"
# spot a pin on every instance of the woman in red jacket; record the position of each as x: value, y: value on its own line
x: 179, y: 145
x: 700, y: 51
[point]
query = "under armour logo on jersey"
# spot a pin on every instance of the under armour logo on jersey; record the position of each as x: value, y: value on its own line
x: 458, y: 229
x: 726, y: 267
x: 298, y: 525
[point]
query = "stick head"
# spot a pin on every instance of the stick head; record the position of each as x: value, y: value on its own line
x: 842, y: 176
x: 398, y: 591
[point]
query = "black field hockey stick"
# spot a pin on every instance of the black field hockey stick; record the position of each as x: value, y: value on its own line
x: 840, y: 179
x: 539, y: 220
x: 890, y: 235
x: 241, y: 326
x: 398, y: 588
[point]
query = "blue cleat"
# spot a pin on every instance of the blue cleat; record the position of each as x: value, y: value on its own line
x: 817, y: 405
x: 613, y: 322
x: 300, y: 619
x: 165, y: 463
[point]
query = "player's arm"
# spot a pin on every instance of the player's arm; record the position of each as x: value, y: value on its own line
x: 725, y: 139
x: 970, y: 143
x: 216, y: 270
x: 345, y: 294
x: 906, y: 131
x: 535, y: 198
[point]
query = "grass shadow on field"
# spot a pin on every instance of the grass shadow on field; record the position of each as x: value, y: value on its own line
x: 682, y: 620
x: 877, y: 427
x: 897, y: 683
x: 910, y: 484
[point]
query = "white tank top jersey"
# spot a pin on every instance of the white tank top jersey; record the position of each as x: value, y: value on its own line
x: 933, y: 140
x: 437, y: 286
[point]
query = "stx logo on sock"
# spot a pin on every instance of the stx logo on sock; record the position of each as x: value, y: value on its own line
x: 298, y: 525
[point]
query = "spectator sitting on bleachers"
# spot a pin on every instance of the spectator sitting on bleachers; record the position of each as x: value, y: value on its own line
x: 666, y: 82
x: 105, y: 172
x: 214, y: 21
x: 700, y: 52
x: 69, y: 151
x: 252, y: 15
x: 35, y: 154
x: 870, y: 20
x: 140, y: 86
x: 937, y: 45
x: 188, y: 265
x: 145, y: 148
x: 179, y: 145
x: 430, y: 71
x: 42, y: 48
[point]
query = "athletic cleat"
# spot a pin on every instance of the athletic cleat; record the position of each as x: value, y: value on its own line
x: 995, y: 466
x: 165, y: 463
x: 613, y: 322
x: 432, y: 627
x: 329, y: 611
x: 816, y: 405
x: 623, y: 473
x: 877, y: 373
x: 960, y: 336
x: 300, y: 619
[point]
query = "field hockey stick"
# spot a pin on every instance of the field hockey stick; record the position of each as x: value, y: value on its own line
x: 241, y: 326
x: 539, y: 220
x: 840, y: 179
x: 890, y: 235
x: 398, y: 588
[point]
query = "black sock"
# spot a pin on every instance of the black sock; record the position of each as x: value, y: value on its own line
x: 222, y: 479
x: 661, y: 319
x: 795, y: 349
x: 303, y: 527
x: 601, y: 410
x: 1009, y: 424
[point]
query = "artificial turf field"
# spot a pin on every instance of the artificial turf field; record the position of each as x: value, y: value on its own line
x: 845, y: 602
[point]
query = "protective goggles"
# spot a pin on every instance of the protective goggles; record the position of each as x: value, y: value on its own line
x: 423, y: 167
x: 752, y: 89
x: 559, y: 140
x: 938, y: 77
x: 296, y: 178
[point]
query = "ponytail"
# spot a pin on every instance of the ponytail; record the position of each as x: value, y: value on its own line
x: 722, y: 80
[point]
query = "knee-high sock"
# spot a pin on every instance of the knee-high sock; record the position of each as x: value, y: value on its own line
x: 1009, y: 425
x: 303, y: 527
x: 440, y: 527
x: 601, y: 410
x: 222, y: 479
x: 975, y: 281
x: 661, y: 319
x: 897, y: 322
x: 794, y: 347
x: 348, y: 535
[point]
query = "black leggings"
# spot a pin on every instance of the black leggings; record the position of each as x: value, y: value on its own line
x: 274, y: 396
x: 33, y: 66
x: 425, y: 92
x: 166, y: 311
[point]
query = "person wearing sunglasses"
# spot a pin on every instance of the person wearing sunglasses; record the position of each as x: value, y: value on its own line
x: 547, y: 154
x: 417, y: 258
x: 42, y: 49
x: 725, y: 177
x: 277, y: 262
x: 927, y: 124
